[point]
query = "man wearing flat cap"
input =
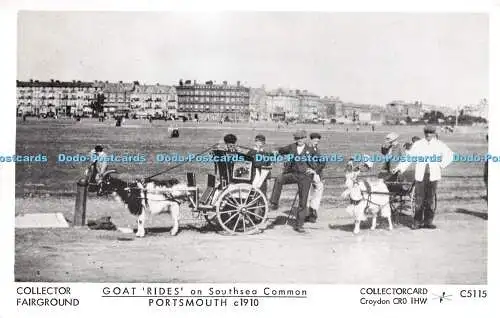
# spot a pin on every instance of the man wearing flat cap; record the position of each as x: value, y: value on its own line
x: 316, y: 190
x: 296, y: 171
x: 427, y: 175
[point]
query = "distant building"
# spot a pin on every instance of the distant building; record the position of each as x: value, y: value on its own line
x: 258, y: 104
x: 283, y: 104
x: 213, y: 101
x: 309, y: 105
x: 159, y: 100
x: 400, y: 110
x: 38, y: 98
x: 116, y: 96
x: 332, y: 106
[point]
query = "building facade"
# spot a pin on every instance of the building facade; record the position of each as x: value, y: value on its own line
x: 153, y: 100
x: 116, y: 96
x: 211, y: 101
x: 400, y: 110
x: 39, y: 98
x: 283, y: 105
x: 258, y: 104
x: 310, y: 105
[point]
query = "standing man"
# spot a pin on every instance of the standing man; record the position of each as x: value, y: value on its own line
x: 299, y: 172
x: 99, y: 164
x: 316, y: 191
x: 427, y: 175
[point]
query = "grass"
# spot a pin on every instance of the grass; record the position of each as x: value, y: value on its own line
x: 53, y: 137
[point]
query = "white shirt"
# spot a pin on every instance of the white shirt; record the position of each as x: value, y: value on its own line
x: 428, y: 148
x: 300, y: 149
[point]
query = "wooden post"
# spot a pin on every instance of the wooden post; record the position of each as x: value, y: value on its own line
x: 81, y: 202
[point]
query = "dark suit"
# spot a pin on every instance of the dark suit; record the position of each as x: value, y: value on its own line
x: 295, y: 172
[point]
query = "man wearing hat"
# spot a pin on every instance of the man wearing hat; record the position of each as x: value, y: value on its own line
x: 316, y: 190
x: 427, y: 175
x: 299, y: 172
x: 225, y: 169
x: 391, y: 147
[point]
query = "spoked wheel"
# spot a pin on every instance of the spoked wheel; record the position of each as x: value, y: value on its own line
x: 242, y: 209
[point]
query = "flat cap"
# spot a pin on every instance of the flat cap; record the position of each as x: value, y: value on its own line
x: 391, y: 136
x: 230, y: 139
x: 315, y: 136
x: 260, y: 137
x: 299, y: 134
x: 429, y: 129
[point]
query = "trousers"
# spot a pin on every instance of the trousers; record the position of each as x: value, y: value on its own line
x: 303, y: 182
x: 425, y: 194
x: 315, y: 193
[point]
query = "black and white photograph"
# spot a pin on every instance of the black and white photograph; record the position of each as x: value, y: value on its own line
x: 252, y: 147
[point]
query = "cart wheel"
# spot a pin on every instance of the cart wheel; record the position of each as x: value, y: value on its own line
x: 242, y: 209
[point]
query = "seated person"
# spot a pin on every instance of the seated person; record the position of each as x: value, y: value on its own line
x: 260, y: 166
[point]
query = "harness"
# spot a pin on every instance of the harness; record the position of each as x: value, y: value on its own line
x: 367, y: 191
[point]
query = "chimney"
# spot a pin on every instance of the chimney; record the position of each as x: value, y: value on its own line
x: 194, y: 82
x: 238, y: 83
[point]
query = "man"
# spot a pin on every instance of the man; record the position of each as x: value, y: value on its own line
x: 427, y: 175
x: 392, y: 148
x: 261, y: 167
x: 225, y: 169
x: 99, y: 164
x: 299, y: 172
x: 316, y: 191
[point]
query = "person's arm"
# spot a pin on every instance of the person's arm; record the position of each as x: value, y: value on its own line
x: 446, y: 155
x: 403, y: 165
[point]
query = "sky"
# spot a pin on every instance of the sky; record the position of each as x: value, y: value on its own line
x: 372, y: 58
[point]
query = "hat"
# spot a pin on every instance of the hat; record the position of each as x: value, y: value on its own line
x: 299, y: 134
x: 98, y: 148
x: 260, y: 137
x: 315, y: 136
x: 429, y: 129
x: 230, y: 139
x: 391, y: 136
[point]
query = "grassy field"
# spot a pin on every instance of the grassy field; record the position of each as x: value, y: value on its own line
x: 140, y: 137
x: 328, y: 253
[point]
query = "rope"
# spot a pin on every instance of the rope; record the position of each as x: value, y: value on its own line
x: 179, y: 165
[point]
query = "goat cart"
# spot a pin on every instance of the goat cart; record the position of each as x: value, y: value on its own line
x: 402, y: 198
x: 232, y: 199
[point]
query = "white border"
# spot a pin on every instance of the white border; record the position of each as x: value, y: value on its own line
x: 329, y: 300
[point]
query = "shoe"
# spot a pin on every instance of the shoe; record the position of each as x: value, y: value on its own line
x: 299, y: 229
x: 274, y: 207
x: 415, y: 226
x: 310, y: 219
x: 429, y: 226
